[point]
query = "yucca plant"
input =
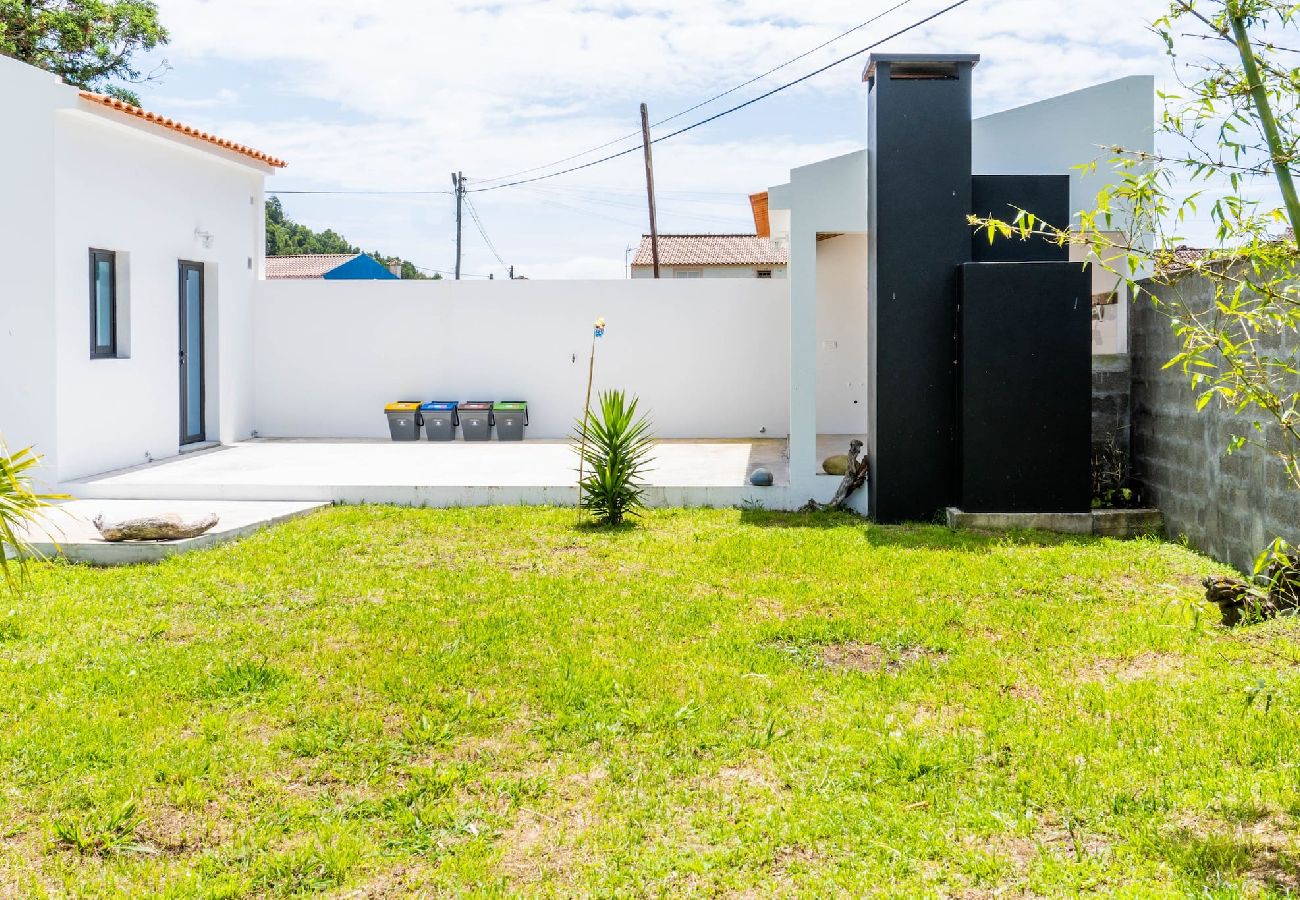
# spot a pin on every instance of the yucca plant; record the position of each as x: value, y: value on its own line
x: 20, y: 505
x: 615, y: 446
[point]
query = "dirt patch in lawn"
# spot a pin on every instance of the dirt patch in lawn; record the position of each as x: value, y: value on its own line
x: 167, y: 829
x: 1264, y: 850
x: 1126, y: 671
x: 863, y: 657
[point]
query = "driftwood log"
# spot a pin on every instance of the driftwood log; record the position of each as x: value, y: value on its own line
x: 854, y: 477
x: 1238, y: 600
x: 165, y: 527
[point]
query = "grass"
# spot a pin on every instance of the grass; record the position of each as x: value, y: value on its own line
x: 382, y: 702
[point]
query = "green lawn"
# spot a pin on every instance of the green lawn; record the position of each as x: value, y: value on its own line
x: 382, y: 702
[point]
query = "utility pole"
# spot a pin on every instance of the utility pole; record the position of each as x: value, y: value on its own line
x: 458, y: 182
x: 650, y: 187
x: 627, y: 268
x: 512, y: 273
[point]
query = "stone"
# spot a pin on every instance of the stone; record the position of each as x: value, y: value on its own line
x: 162, y: 527
x: 836, y: 465
x: 760, y: 478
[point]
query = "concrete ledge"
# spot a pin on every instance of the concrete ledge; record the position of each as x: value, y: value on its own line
x: 1064, y: 523
x: 1127, y: 523
x: 69, y: 531
x: 1120, y: 523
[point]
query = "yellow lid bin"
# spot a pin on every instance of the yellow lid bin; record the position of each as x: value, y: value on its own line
x: 403, y: 420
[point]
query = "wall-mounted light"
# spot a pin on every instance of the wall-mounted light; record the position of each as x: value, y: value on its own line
x: 203, y: 237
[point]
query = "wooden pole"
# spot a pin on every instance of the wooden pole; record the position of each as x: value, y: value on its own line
x: 458, y: 179
x: 650, y: 186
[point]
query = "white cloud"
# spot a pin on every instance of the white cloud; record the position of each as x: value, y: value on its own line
x: 404, y: 91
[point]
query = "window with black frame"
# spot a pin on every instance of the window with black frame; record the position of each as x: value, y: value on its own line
x: 103, y: 304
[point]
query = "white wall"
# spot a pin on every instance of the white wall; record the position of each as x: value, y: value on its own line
x: 841, y: 335
x: 707, y: 358
x: 27, y: 358
x: 78, y: 176
x: 112, y: 412
x: 1053, y: 136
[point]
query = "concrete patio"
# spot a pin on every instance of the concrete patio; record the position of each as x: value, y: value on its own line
x: 699, y: 472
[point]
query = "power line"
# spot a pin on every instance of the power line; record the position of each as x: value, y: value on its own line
x: 478, y: 223
x: 405, y: 193
x: 737, y: 107
x: 703, y: 103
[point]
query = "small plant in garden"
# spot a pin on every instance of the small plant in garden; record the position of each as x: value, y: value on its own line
x: 20, y: 504
x: 614, y: 444
x: 90, y: 835
x: 1113, y: 486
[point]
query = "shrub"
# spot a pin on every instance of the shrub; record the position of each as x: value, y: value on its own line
x: 20, y: 505
x: 615, y: 446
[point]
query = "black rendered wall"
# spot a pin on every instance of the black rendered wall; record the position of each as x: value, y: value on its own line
x: 1024, y: 387
x: 919, y: 197
x: 1000, y: 196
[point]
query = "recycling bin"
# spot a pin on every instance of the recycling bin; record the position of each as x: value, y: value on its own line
x: 404, y: 420
x: 439, y: 420
x: 475, y: 420
x: 511, y: 416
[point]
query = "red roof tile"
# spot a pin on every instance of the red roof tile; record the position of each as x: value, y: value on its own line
x: 711, y: 250
x: 306, y: 266
x: 181, y: 128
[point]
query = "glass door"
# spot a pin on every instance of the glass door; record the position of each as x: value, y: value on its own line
x: 191, y: 336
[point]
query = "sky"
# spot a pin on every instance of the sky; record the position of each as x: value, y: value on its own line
x: 395, y: 95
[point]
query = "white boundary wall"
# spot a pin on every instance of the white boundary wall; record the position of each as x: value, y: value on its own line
x: 709, y: 359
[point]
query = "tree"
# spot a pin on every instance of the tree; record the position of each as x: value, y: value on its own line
x: 285, y: 237
x: 1233, y: 127
x: 88, y: 43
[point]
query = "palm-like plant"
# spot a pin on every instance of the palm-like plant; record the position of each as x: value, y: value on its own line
x: 615, y: 445
x: 20, y: 505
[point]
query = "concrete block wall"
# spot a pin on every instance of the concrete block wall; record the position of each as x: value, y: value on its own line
x: 1228, y: 506
x: 1112, y: 375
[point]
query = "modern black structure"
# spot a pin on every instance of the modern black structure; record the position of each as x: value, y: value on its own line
x: 979, y: 361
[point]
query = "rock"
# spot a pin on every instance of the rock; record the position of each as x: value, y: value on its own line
x: 165, y: 527
x: 836, y: 465
x: 761, y: 478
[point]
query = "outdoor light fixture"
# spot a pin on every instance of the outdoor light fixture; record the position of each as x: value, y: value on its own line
x: 203, y: 237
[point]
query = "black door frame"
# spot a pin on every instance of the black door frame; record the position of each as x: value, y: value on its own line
x: 183, y: 268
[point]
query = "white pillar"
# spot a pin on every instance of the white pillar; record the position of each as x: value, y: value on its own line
x: 803, y: 350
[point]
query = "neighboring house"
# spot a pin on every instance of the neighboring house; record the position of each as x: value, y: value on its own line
x: 130, y: 245
x: 331, y: 266
x: 710, y: 256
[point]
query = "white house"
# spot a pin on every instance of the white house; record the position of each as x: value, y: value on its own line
x: 130, y: 247
x: 710, y: 256
x: 136, y: 321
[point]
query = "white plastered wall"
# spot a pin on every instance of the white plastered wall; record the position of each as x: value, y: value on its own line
x: 152, y: 200
x: 27, y: 358
x: 80, y: 176
x: 707, y: 359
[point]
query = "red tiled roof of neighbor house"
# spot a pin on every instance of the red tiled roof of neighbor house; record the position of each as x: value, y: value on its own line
x: 313, y: 265
x: 762, y: 224
x: 181, y: 128
x: 711, y: 250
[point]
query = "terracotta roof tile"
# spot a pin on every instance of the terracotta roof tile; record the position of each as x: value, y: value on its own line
x: 711, y: 250
x: 307, y: 266
x: 181, y: 128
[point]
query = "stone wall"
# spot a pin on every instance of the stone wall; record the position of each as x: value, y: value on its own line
x: 1228, y: 506
x: 1111, y: 390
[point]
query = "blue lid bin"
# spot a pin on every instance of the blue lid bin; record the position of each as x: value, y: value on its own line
x: 475, y: 420
x: 440, y: 421
x: 511, y: 416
